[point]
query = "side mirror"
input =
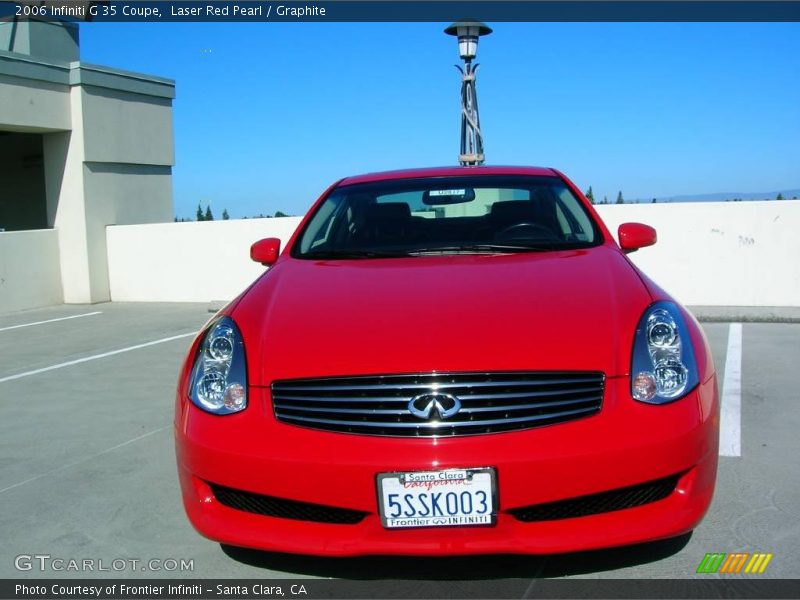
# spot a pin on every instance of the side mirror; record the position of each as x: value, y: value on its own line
x: 633, y: 236
x: 265, y: 251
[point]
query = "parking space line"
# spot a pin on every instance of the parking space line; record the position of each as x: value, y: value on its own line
x: 95, y: 357
x: 97, y: 312
x: 730, y: 435
x: 83, y: 460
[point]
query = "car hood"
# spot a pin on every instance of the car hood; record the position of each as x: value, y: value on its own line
x: 568, y: 310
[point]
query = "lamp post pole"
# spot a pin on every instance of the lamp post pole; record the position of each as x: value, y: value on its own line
x: 468, y: 33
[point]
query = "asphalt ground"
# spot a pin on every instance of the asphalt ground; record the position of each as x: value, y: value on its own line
x: 87, y: 467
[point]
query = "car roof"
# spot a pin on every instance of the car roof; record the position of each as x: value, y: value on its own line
x: 447, y: 172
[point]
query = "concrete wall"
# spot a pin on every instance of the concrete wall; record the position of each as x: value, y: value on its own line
x: 720, y: 253
x: 29, y: 270
x: 117, y: 170
x: 122, y: 127
x: 187, y: 262
x: 33, y: 105
x: 714, y: 254
x: 107, y: 149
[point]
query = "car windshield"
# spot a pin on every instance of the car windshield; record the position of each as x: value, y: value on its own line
x: 447, y: 215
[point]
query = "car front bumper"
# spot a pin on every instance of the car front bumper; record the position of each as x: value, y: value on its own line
x: 625, y: 444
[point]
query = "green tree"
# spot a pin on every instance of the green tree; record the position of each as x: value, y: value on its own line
x: 620, y: 199
x: 590, y: 195
x: 605, y: 200
x: 200, y: 213
x: 279, y: 213
x: 209, y: 216
x: 779, y: 196
x: 654, y: 201
x: 225, y: 215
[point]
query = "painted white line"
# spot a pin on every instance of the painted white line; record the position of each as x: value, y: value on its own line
x: 730, y: 434
x: 83, y: 460
x: 99, y: 312
x: 94, y: 357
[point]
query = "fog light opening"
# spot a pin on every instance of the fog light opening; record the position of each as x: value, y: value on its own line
x: 235, y: 396
x: 644, y: 386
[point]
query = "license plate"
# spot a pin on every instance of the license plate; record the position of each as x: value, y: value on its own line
x: 451, y: 498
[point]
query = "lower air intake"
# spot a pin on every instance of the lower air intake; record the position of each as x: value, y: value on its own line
x: 619, y: 499
x: 285, y: 509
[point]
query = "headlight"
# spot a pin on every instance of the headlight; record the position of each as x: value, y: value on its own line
x: 663, y: 367
x: 219, y: 376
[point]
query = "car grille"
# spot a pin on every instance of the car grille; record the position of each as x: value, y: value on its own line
x: 285, y: 509
x: 490, y: 402
x: 619, y: 499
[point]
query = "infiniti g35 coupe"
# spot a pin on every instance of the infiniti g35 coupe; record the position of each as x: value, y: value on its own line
x: 448, y: 361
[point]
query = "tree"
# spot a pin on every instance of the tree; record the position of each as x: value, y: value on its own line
x: 200, y: 213
x: 779, y: 196
x: 225, y: 215
x: 208, y: 216
x: 654, y: 201
x: 605, y: 200
x: 279, y: 213
x: 590, y: 195
x: 620, y: 199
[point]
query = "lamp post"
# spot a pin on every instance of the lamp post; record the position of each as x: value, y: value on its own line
x: 468, y: 33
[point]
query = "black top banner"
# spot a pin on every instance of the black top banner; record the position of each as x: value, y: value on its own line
x: 411, y: 11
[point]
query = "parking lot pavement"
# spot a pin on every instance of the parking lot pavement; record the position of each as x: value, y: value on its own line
x: 87, y: 469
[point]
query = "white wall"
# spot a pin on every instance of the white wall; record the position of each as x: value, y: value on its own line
x: 187, y: 262
x: 720, y: 253
x: 121, y: 193
x: 30, y: 275
x: 714, y: 254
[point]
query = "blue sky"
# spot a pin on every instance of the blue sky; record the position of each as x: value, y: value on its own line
x: 267, y: 115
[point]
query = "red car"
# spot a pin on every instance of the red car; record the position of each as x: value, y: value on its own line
x: 449, y: 361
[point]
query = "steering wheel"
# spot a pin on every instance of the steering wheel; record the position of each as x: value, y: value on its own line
x: 527, y: 230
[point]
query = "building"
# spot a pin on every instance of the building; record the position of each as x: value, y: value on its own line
x: 81, y: 147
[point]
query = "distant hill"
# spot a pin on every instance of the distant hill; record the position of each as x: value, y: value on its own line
x: 723, y: 196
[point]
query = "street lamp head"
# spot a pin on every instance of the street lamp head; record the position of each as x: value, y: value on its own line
x: 468, y: 33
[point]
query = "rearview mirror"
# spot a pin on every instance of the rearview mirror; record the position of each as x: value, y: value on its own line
x: 441, y: 197
x: 265, y: 251
x: 633, y: 236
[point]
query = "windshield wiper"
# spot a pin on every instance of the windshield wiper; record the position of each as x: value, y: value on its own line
x: 483, y: 249
x: 334, y: 254
x: 464, y: 249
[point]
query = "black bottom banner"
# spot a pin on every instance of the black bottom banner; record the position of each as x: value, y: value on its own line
x: 128, y: 589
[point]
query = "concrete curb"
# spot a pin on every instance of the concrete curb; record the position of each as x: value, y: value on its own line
x: 746, y: 314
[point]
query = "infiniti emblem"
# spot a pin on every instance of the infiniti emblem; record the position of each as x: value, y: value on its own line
x: 424, y: 405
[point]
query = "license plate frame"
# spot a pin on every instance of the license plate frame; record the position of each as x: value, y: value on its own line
x: 445, y: 475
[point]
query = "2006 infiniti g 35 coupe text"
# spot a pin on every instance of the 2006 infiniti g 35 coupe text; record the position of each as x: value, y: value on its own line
x: 449, y: 361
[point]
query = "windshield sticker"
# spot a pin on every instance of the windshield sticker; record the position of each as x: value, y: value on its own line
x: 447, y: 192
